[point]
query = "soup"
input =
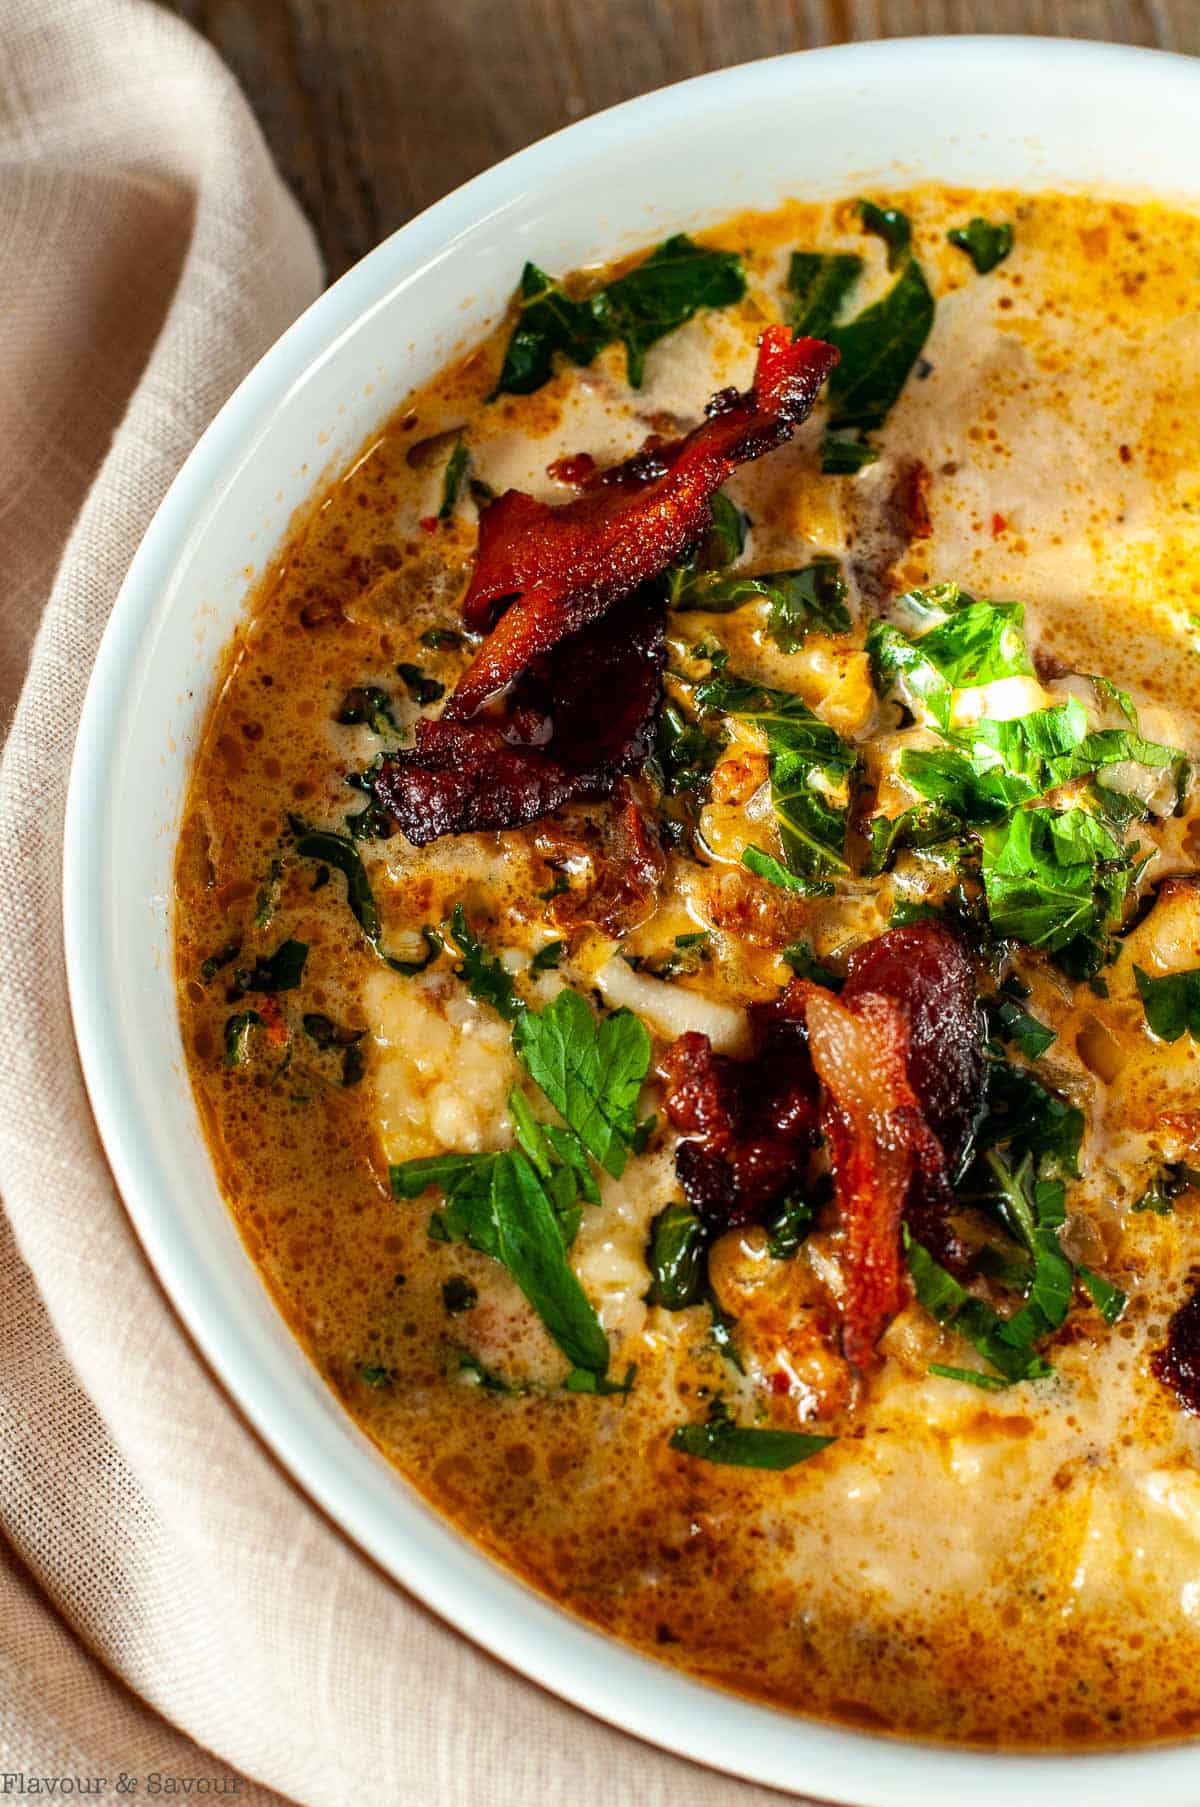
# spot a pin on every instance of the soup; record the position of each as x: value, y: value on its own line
x: 689, y: 955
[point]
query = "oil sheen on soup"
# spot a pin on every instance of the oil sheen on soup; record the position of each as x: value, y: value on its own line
x: 689, y: 954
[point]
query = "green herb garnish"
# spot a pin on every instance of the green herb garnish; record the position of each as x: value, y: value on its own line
x: 280, y: 971
x: 210, y: 967
x: 484, y: 976
x: 878, y: 350
x: 1172, y: 1178
x: 804, y: 963
x: 845, y: 457
x: 1171, y: 1004
x: 591, y: 1070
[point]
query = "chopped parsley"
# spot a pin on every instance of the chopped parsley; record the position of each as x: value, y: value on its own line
x: 1171, y: 1004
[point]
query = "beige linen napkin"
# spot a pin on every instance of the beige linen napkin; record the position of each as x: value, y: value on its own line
x: 169, y: 1602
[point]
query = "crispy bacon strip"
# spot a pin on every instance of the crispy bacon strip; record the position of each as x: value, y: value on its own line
x: 752, y: 1123
x: 564, y: 567
x: 878, y: 1139
x: 923, y: 967
x: 574, y: 727
x: 628, y: 866
x: 1178, y: 1364
x: 900, y: 1058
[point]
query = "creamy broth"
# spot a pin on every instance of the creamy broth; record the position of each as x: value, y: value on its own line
x: 1017, y: 1565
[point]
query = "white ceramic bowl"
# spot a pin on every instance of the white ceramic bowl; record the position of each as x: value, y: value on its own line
x: 1027, y: 112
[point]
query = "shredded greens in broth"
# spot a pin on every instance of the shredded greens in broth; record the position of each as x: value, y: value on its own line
x: 723, y: 1111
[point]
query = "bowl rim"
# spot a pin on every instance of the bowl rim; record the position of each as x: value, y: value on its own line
x: 474, y: 1593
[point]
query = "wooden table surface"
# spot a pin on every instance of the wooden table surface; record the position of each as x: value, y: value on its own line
x: 374, y: 108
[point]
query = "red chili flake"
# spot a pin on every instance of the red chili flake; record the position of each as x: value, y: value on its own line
x: 999, y: 526
x: 572, y: 469
x: 271, y: 1012
x: 918, y: 480
x: 429, y: 523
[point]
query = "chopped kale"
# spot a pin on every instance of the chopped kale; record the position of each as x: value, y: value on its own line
x: 1172, y: 1178
x: 340, y: 852
x: 267, y: 900
x: 373, y: 1375
x: 367, y: 705
x: 878, y: 350
x: 818, y: 283
x: 1011, y: 1022
x: 922, y: 825
x: 765, y: 865
x: 804, y: 963
x: 1171, y: 1004
x: 547, y: 958
x: 985, y: 243
x: 456, y: 466
x: 662, y: 292
x: 842, y: 457
x: 421, y: 689
x: 892, y: 226
x: 789, y: 1222
x: 813, y: 771
x: 214, y: 964
x: 280, y: 971
x: 653, y: 299
x: 746, y: 1446
x: 237, y: 1036
x: 483, y: 974
x: 677, y: 1258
